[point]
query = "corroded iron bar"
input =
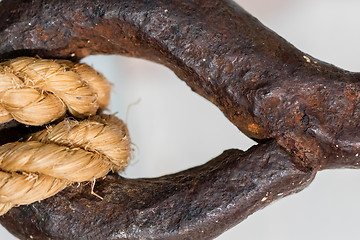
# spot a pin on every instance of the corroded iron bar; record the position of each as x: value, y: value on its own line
x: 265, y: 86
x: 199, y: 203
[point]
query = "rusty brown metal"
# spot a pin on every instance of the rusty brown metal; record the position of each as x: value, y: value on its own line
x: 197, y: 203
x: 303, y: 112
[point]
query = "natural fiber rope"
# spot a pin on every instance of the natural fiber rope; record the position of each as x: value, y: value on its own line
x: 52, y: 159
x: 37, y: 91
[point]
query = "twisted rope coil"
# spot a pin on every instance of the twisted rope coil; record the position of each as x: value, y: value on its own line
x: 37, y: 91
x: 52, y: 159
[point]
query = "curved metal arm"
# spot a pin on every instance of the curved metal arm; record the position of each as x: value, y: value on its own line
x: 199, y: 203
x: 265, y: 86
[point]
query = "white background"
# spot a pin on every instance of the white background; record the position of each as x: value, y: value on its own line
x: 174, y: 129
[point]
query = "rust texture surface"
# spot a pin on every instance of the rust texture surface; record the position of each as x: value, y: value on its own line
x: 198, y: 203
x: 303, y: 112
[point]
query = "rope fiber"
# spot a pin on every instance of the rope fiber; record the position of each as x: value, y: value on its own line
x: 48, y: 88
x: 70, y: 151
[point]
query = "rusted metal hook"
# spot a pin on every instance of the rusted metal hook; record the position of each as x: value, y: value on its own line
x: 302, y: 111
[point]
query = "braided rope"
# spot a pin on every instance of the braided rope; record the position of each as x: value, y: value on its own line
x: 39, y: 91
x: 52, y: 159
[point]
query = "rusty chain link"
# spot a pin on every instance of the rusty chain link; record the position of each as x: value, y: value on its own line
x: 303, y: 113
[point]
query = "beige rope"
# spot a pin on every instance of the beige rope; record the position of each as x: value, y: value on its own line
x: 54, y: 158
x: 37, y: 91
